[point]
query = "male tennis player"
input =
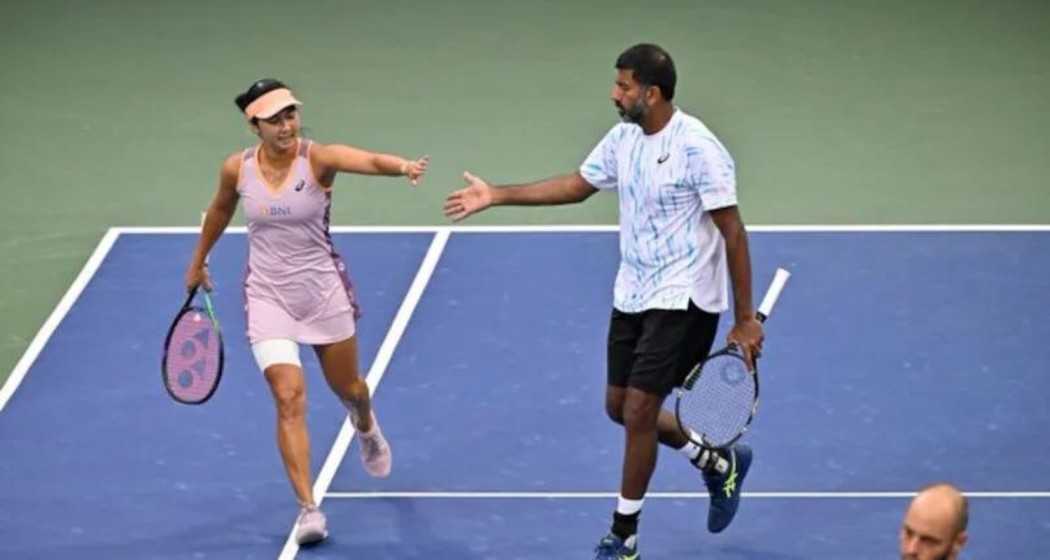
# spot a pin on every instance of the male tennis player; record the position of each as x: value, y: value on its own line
x: 934, y: 526
x: 680, y: 233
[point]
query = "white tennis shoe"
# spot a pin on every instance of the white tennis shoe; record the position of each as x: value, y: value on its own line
x: 311, y: 527
x: 375, y: 451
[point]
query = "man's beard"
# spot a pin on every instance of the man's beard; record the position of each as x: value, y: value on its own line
x: 635, y: 113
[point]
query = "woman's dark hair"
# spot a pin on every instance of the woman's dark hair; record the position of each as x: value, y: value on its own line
x: 257, y: 90
x: 651, y: 65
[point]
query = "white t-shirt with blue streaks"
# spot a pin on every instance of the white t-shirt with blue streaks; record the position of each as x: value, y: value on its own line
x: 670, y: 249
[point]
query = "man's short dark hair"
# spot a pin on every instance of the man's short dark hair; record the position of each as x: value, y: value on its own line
x: 651, y: 66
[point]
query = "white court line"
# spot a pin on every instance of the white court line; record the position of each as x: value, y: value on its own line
x: 106, y: 243
x: 905, y: 228
x: 655, y: 495
x: 59, y: 313
x: 375, y: 374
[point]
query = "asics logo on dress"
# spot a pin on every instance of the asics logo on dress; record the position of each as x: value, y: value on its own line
x: 663, y: 158
x: 299, y: 186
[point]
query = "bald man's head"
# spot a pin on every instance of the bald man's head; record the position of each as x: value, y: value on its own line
x: 948, y: 500
x: 934, y: 527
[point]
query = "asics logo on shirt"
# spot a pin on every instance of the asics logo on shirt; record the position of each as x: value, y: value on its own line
x: 299, y: 186
x: 663, y: 158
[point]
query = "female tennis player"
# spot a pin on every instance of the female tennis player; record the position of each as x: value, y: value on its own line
x: 297, y: 289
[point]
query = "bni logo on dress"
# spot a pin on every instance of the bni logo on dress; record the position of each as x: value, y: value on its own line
x: 275, y: 211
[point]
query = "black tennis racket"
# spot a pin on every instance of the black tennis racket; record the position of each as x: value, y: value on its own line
x: 719, y: 398
x: 193, y: 352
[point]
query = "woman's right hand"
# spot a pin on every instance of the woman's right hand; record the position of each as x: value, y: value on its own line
x: 197, y: 275
x: 414, y: 170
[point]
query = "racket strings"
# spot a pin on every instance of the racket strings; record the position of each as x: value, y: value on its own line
x: 192, y: 357
x: 720, y: 402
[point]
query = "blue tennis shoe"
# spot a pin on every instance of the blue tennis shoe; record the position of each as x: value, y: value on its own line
x: 614, y: 548
x: 725, y: 488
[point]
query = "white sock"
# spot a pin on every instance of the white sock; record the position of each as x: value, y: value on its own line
x: 691, y: 450
x: 701, y: 456
x: 710, y: 459
x: 628, y: 507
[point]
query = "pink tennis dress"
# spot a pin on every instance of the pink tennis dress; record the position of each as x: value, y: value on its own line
x: 296, y: 285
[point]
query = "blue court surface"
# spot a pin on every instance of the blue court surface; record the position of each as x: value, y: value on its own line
x: 896, y: 358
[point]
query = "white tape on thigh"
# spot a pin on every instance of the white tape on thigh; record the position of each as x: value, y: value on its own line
x: 276, y: 351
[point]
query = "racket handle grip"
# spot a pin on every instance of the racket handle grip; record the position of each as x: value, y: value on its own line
x: 772, y: 294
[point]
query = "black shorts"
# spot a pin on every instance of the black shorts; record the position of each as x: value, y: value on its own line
x: 654, y: 350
